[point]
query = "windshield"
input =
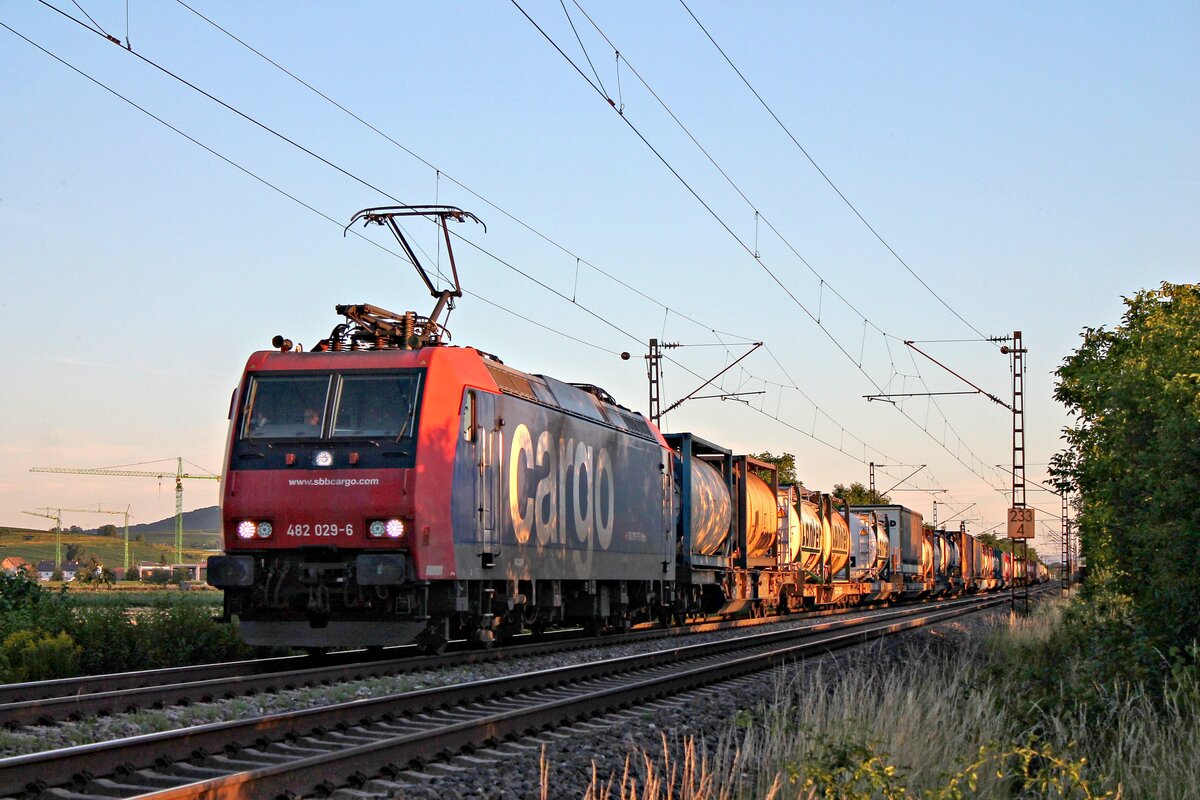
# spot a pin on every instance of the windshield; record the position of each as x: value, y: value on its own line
x: 285, y: 407
x: 376, y: 405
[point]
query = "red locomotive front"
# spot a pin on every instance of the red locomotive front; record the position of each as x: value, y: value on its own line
x: 325, y: 508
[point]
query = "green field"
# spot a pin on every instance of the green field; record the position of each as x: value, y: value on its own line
x: 125, y: 594
x: 37, y: 546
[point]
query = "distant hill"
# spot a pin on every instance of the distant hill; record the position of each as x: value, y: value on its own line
x: 200, y: 519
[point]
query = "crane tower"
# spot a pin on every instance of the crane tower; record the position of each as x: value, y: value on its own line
x: 179, y: 475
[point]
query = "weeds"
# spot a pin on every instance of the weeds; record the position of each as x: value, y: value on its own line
x: 1022, y: 712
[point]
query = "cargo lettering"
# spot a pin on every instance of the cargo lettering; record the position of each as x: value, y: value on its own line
x: 560, y: 488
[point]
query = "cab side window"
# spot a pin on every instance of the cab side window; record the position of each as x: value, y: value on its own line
x: 468, y: 416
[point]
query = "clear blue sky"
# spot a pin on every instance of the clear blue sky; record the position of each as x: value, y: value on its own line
x: 1031, y: 162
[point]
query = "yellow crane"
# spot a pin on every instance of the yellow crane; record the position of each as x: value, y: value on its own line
x: 98, y: 510
x: 179, y: 475
x: 57, y: 517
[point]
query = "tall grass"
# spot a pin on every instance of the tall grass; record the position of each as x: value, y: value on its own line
x: 941, y: 723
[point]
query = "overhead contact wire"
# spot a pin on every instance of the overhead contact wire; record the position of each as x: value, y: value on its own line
x: 366, y: 183
x: 734, y: 235
x: 822, y: 173
x: 544, y: 237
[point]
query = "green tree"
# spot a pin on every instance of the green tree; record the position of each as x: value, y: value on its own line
x: 1133, y: 455
x: 107, y: 530
x: 1007, y: 545
x: 74, y: 552
x: 858, y: 495
x: 158, y: 577
x: 88, y: 571
x: 786, y: 463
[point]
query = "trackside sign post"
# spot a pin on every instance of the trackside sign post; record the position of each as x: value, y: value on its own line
x: 1020, y: 523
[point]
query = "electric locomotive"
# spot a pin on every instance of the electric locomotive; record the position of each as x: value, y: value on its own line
x: 386, y: 487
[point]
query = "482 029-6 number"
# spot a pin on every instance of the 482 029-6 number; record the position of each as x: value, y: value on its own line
x: 321, y: 529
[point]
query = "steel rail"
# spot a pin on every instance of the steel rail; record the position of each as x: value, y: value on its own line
x: 44, y: 702
x: 77, y: 766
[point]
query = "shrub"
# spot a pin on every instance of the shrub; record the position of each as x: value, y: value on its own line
x: 27, y: 605
x: 110, y: 640
x: 38, y: 656
x: 185, y: 633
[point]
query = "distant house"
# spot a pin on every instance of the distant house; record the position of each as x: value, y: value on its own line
x: 14, y: 564
x: 195, y: 572
x: 46, y: 568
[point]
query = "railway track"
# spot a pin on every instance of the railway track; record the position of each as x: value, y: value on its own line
x: 350, y: 744
x: 46, y: 702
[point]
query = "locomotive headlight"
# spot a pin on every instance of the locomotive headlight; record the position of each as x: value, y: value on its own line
x: 323, y: 458
x: 389, y: 528
x: 249, y: 529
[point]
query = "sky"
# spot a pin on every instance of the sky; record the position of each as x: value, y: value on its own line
x: 935, y: 173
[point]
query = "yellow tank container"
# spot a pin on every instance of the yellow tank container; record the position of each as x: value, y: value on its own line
x: 762, y: 521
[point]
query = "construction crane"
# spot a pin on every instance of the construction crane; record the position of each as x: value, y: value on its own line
x: 57, y: 517
x: 179, y: 475
x: 99, y: 510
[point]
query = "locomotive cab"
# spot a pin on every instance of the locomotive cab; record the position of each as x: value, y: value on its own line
x: 318, y: 507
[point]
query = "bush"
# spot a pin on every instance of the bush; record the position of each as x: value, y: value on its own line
x: 110, y: 639
x: 178, y: 634
x: 165, y: 635
x: 27, y: 605
x: 1134, y: 459
x: 46, y: 634
x: 38, y: 656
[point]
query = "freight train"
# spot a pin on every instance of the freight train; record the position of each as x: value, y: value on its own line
x: 386, y: 487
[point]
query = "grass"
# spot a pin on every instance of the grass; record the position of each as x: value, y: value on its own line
x: 940, y: 724
x: 38, y: 546
x: 137, y: 595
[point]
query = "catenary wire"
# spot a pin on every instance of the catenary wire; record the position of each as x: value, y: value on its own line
x: 482, y: 250
x: 407, y: 150
x: 749, y: 251
x: 603, y: 92
x: 758, y: 214
x: 509, y: 215
x: 828, y: 180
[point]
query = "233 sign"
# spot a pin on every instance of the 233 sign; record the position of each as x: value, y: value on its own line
x: 1020, y: 523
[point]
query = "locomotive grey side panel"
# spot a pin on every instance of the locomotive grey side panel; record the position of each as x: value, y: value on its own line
x: 544, y: 493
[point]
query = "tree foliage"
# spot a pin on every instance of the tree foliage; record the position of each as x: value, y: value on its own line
x: 1133, y: 456
x: 786, y: 462
x: 858, y: 495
